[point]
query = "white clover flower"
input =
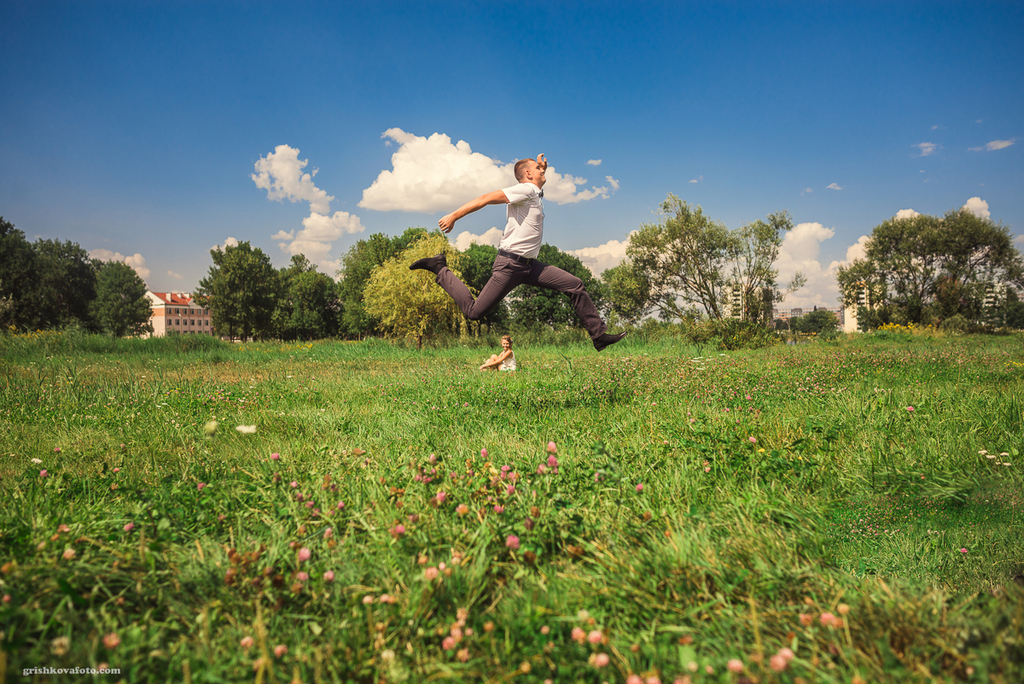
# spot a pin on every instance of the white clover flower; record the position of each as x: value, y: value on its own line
x: 246, y: 429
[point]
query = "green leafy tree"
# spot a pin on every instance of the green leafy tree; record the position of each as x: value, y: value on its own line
x: 530, y: 305
x: 240, y: 290
x: 628, y: 292
x: 926, y: 269
x: 121, y: 306
x: 754, y: 251
x: 818, y: 321
x: 308, y: 308
x: 409, y: 304
x: 356, y: 267
x: 684, y: 257
x: 18, y: 278
x: 65, y: 286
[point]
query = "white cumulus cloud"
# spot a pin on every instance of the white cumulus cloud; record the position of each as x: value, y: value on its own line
x: 978, y: 207
x: 176, y: 276
x: 464, y: 239
x: 926, y: 149
x: 433, y: 174
x: 993, y: 145
x: 906, y: 213
x: 801, y: 252
x: 229, y: 242
x: 833, y: 186
x: 594, y: 162
x: 281, y: 174
x: 599, y: 259
x: 136, y: 261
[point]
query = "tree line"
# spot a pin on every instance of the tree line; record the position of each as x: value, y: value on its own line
x: 957, y: 270
x: 50, y: 284
x: 686, y: 266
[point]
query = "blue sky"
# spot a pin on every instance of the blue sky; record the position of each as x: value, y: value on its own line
x: 153, y: 131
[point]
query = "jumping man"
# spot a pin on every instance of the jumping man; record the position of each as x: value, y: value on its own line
x: 516, y: 262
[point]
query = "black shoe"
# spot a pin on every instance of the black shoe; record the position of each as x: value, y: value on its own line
x: 433, y: 264
x: 606, y: 340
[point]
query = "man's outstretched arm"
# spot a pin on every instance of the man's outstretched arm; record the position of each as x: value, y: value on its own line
x: 446, y: 223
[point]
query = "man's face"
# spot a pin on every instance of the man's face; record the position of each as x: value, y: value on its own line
x: 535, y: 174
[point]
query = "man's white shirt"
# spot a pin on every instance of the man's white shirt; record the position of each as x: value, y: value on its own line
x: 524, y: 230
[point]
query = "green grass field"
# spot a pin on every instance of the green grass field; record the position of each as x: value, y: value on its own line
x: 187, y: 510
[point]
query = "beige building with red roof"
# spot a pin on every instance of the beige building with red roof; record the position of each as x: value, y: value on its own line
x: 177, y: 312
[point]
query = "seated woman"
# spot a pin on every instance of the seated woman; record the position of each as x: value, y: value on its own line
x: 505, y: 361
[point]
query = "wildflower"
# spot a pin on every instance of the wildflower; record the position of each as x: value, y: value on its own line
x: 430, y: 574
x: 59, y: 646
x: 512, y: 542
x: 328, y: 533
x: 910, y: 409
x: 640, y: 487
x: 545, y: 630
x: 578, y: 635
x: 463, y: 655
x: 735, y: 666
x: 595, y: 636
x: 483, y: 453
x: 37, y: 461
x: 43, y: 473
x: 56, y: 450
x: 806, y: 619
x: 210, y: 429
x: 275, y: 456
x: 601, y: 660
x: 552, y: 461
x: 294, y: 484
x: 111, y: 640
x: 129, y: 527
x: 246, y: 429
x: 397, y: 531
x: 63, y: 528
x: 634, y: 679
x: 511, y: 489
x: 69, y: 554
x: 777, y: 663
x: 499, y: 509
x: 341, y: 504
x: 828, y: 619
x: 280, y: 650
x: 302, y: 576
x: 843, y: 609
x: 541, y: 469
x: 552, y: 448
x: 304, y: 554
x: 200, y: 486
x: 787, y: 653
x: 753, y: 440
x: 449, y: 643
x: 462, y: 509
x: 246, y: 642
x: 963, y: 550
x: 329, y: 576
x: 440, y: 497
x: 367, y: 600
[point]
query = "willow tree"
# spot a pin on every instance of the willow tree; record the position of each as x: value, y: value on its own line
x: 409, y: 304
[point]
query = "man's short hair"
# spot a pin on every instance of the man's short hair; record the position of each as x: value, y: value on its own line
x: 521, y: 168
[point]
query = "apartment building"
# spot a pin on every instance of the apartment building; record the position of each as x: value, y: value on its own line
x: 177, y: 313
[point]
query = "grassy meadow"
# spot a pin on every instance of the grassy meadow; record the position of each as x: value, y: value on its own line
x: 188, y: 510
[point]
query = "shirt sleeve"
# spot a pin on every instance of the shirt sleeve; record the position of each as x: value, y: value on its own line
x: 521, y: 192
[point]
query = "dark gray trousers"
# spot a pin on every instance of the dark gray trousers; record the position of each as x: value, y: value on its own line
x: 507, y: 274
